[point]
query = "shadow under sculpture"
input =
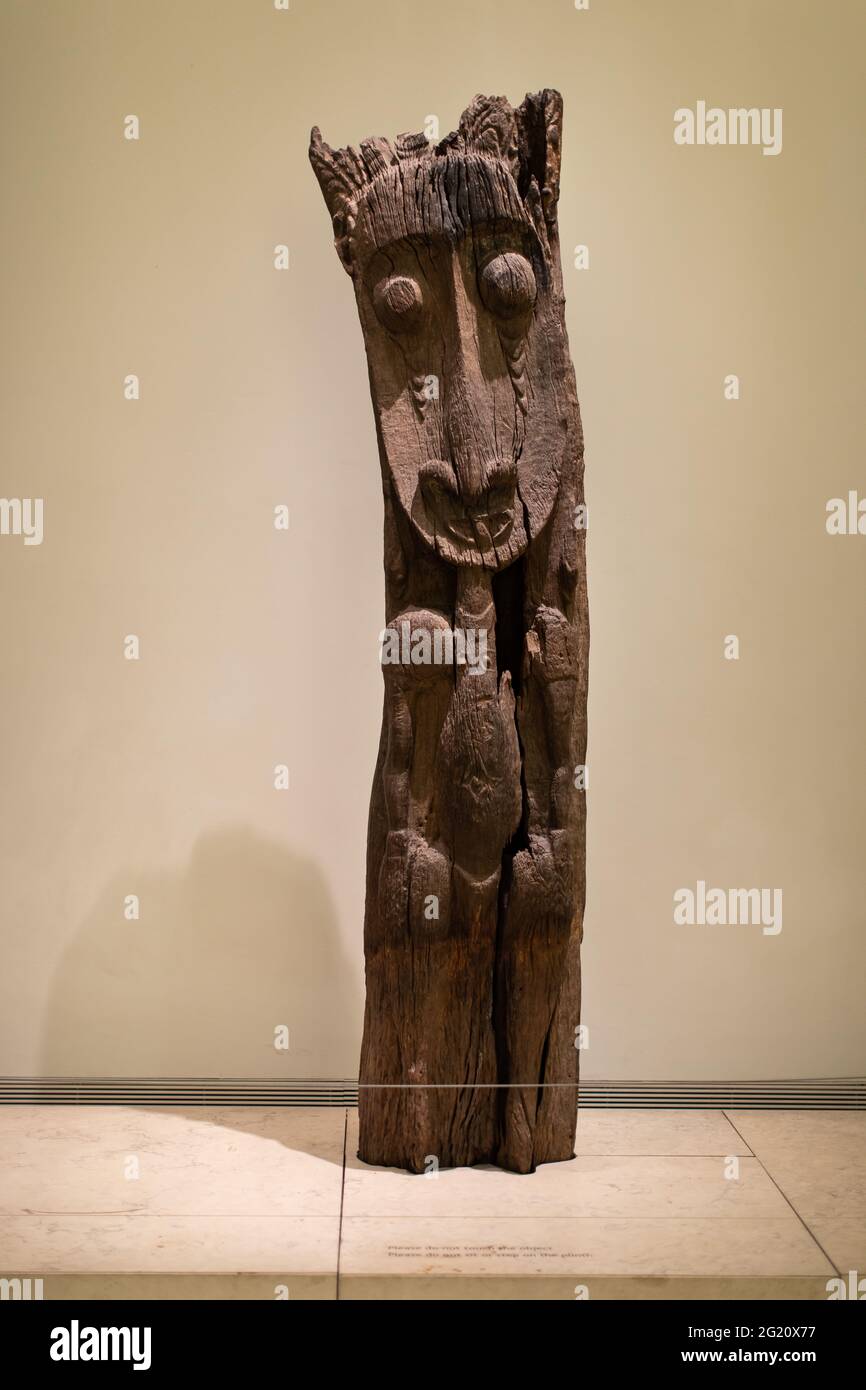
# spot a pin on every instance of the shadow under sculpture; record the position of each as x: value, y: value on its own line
x: 476, y: 842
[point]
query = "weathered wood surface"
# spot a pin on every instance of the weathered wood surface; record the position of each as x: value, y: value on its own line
x: 476, y: 845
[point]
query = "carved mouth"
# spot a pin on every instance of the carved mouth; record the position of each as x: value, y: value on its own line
x: 482, y: 522
x: 482, y: 529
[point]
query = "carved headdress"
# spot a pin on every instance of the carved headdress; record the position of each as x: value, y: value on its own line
x: 526, y: 139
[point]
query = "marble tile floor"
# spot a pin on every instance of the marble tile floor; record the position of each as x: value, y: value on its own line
x: 269, y: 1202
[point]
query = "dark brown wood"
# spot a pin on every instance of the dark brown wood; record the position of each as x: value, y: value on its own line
x: 476, y: 844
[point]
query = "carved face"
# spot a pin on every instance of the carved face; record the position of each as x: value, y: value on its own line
x: 453, y: 251
x: 464, y: 337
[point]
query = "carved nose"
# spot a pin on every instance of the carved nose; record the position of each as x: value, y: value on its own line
x: 468, y: 443
x: 472, y: 478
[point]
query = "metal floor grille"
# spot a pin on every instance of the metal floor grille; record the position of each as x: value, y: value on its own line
x: 840, y: 1093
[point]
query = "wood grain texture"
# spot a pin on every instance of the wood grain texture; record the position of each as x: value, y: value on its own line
x: 476, y: 843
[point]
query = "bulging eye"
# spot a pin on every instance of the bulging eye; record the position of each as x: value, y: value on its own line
x: 508, y: 285
x: 399, y: 303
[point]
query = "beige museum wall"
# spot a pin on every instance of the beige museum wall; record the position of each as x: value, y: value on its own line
x: 155, y: 777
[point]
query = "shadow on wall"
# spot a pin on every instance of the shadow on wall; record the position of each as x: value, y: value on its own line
x: 242, y: 941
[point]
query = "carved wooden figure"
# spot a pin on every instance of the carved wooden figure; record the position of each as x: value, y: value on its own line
x: 476, y: 845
